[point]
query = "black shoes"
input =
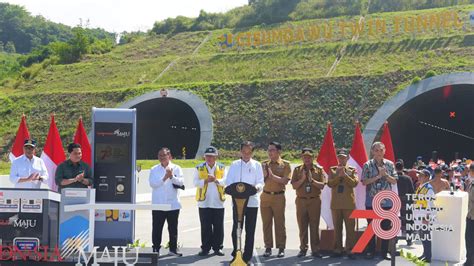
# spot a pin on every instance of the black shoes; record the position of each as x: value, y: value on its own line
x: 156, y: 250
x: 175, y: 253
x: 336, y: 255
x: 281, y: 253
x: 302, y: 253
x: 317, y: 255
x: 203, y: 253
x: 268, y: 252
x: 218, y: 252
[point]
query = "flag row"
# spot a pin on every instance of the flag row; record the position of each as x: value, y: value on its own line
x: 53, y: 151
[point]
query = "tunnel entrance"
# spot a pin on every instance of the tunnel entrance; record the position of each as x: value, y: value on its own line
x: 166, y: 122
x: 440, y: 120
x: 435, y: 114
x: 175, y: 119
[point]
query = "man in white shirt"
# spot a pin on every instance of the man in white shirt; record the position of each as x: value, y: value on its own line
x: 165, y: 180
x: 248, y: 171
x: 28, y: 171
x: 209, y: 182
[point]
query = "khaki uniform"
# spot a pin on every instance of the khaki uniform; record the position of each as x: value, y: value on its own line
x: 308, y: 205
x: 272, y: 204
x: 342, y: 205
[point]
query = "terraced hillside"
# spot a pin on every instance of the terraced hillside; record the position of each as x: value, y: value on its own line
x: 285, y: 90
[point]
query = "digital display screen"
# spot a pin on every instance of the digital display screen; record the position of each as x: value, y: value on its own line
x: 111, y: 153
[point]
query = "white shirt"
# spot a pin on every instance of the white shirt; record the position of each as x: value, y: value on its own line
x: 250, y: 172
x: 164, y: 192
x: 213, y: 199
x: 23, y: 167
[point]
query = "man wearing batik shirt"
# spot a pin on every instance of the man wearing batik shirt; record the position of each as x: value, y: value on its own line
x: 378, y: 174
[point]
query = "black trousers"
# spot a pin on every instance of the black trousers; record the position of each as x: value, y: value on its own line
x: 212, y: 228
x: 426, y: 243
x: 250, y: 221
x: 469, y: 242
x: 159, y: 218
x: 386, y: 225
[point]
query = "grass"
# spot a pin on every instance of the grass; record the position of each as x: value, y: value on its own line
x: 145, y: 164
x: 9, y: 66
x: 268, y: 93
x: 141, y: 62
x: 148, y: 164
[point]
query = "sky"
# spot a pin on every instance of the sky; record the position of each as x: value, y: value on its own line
x: 121, y: 15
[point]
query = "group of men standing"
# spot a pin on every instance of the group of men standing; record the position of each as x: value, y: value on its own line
x: 270, y: 178
x: 29, y: 171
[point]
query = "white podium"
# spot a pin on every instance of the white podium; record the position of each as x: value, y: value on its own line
x: 450, y: 246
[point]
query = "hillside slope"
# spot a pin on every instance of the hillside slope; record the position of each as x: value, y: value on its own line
x: 275, y: 91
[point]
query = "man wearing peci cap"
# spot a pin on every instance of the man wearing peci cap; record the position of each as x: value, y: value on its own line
x: 246, y: 170
x: 342, y: 180
x: 276, y: 172
x: 28, y: 171
x: 165, y: 180
x: 209, y: 179
x: 308, y: 180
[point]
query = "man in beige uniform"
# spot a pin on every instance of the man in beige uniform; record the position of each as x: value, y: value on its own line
x: 342, y: 180
x: 308, y: 180
x: 276, y: 174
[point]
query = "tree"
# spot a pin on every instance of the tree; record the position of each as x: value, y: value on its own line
x: 10, y: 48
x: 80, y: 44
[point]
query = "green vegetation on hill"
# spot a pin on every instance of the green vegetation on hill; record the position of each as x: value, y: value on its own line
x: 9, y: 65
x: 258, y: 93
x: 267, y: 12
x: 143, y: 61
x: 26, y: 32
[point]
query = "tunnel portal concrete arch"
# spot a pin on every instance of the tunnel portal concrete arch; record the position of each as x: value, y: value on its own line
x: 173, y: 119
x: 435, y: 114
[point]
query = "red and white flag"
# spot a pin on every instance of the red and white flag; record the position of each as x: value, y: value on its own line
x: 80, y: 137
x: 386, y: 139
x: 53, y: 153
x: 357, y: 159
x: 22, y: 134
x: 326, y: 158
